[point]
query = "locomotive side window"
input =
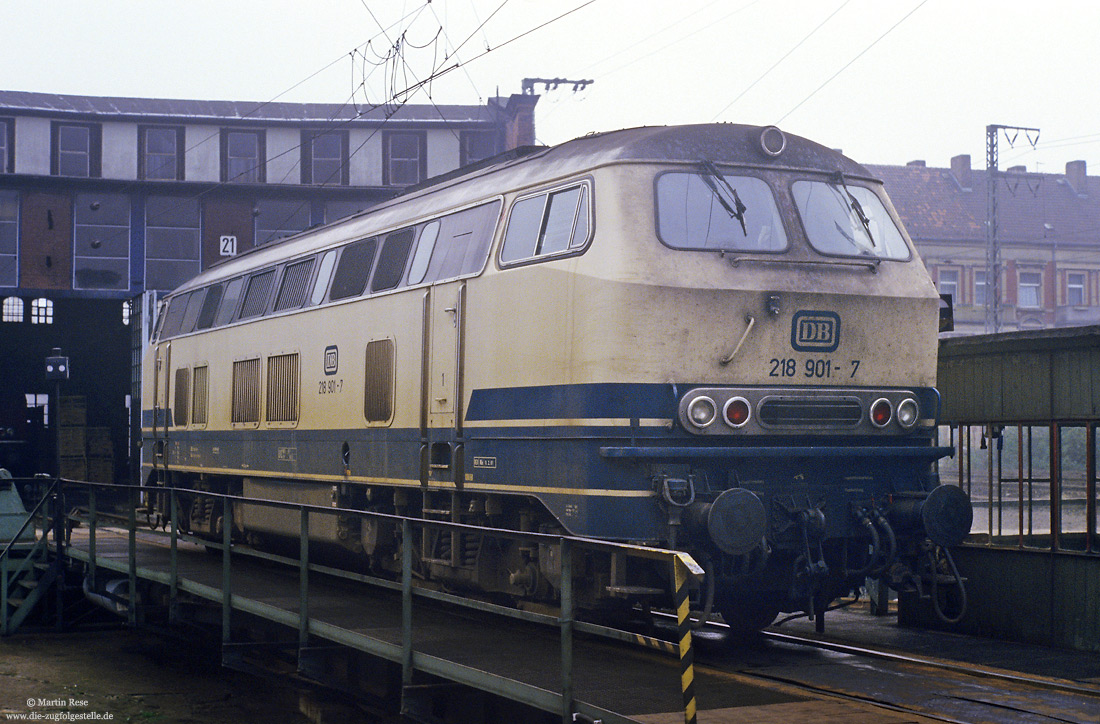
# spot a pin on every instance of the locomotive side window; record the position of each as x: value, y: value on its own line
x: 547, y: 224
x: 230, y: 297
x: 173, y: 318
x: 391, y: 261
x: 191, y: 314
x: 378, y: 390
x: 256, y: 294
x: 844, y: 220
x: 462, y: 243
x: 210, y: 306
x: 428, y: 236
x: 292, y: 292
x: 328, y: 261
x: 353, y: 270
x: 183, y: 397
x: 708, y: 211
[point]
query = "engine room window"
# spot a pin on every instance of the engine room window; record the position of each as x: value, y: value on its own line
x: 391, y: 262
x: 547, y: 224
x: 708, y: 211
x: 845, y: 220
x: 462, y: 246
x: 353, y: 270
x: 423, y: 255
x: 230, y: 298
x: 209, y: 307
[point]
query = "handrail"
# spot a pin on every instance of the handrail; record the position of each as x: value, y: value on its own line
x: 6, y: 553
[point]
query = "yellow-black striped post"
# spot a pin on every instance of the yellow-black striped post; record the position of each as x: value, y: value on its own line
x: 683, y: 626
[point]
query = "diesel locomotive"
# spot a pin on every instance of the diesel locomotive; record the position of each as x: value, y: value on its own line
x: 714, y: 338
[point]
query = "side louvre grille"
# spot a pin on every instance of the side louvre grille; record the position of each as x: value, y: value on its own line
x: 183, y: 396
x: 198, y: 396
x: 378, y: 395
x: 246, y: 391
x: 282, y: 388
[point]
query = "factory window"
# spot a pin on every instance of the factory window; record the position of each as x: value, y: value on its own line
x: 1028, y: 292
x: 353, y: 270
x: 41, y: 311
x: 282, y: 388
x: 325, y: 157
x: 39, y: 402
x: 477, y: 145
x: 404, y: 158
x: 979, y: 287
x: 7, y: 145
x: 172, y: 241
x: 949, y: 283
x: 391, y: 260
x: 75, y: 149
x: 243, y: 156
x: 378, y: 390
x: 246, y: 391
x: 13, y: 309
x: 292, y: 292
x: 9, y: 238
x: 549, y: 223
x: 160, y: 153
x: 127, y: 312
x: 183, y: 397
x: 255, y: 296
x: 276, y: 219
x: 1075, y: 289
x: 101, y: 241
x: 198, y: 396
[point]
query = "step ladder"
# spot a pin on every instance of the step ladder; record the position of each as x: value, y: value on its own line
x: 28, y: 569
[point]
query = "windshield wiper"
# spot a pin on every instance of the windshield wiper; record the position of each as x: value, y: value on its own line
x: 854, y: 205
x: 717, y: 183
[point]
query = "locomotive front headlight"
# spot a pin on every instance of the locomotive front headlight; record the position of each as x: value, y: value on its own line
x: 908, y: 412
x: 737, y: 411
x: 701, y: 411
x: 881, y: 412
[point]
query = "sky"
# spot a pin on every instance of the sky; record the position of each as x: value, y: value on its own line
x: 885, y: 81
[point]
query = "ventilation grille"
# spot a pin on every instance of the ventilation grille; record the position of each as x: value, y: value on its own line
x: 183, y: 396
x: 818, y: 412
x: 246, y: 391
x: 378, y: 391
x: 282, y: 388
x: 198, y: 396
x: 293, y: 290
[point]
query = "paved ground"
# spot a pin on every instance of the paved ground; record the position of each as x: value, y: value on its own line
x: 131, y: 676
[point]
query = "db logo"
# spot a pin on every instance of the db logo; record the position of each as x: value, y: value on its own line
x: 332, y: 360
x: 815, y: 331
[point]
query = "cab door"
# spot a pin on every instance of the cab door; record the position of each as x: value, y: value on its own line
x: 162, y: 362
x: 445, y: 321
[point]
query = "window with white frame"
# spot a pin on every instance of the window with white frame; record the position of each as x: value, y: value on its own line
x: 41, y: 311
x: 160, y: 156
x: 7, y: 145
x: 1030, y: 284
x: 13, y: 309
x: 1075, y: 289
x: 243, y: 156
x: 979, y: 287
x: 404, y: 160
x: 76, y: 149
x: 949, y: 283
x: 324, y: 158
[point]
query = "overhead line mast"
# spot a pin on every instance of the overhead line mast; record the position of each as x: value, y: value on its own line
x: 993, y: 245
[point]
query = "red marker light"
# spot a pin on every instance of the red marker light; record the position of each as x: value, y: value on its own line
x: 881, y: 412
x: 737, y: 411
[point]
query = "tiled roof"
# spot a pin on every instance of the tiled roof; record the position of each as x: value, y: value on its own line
x: 935, y: 207
x: 47, y: 103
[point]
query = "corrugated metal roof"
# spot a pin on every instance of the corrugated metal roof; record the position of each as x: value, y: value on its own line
x: 164, y: 108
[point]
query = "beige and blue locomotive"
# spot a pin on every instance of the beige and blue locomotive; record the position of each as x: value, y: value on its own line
x: 716, y: 338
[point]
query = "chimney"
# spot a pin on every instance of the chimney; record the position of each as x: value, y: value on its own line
x: 919, y: 163
x: 1077, y: 176
x: 1016, y: 169
x: 960, y: 169
x: 519, y: 120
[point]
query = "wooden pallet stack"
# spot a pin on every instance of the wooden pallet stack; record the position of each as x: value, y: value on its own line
x: 72, y: 440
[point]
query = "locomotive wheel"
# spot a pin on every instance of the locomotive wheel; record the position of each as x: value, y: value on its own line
x: 747, y: 617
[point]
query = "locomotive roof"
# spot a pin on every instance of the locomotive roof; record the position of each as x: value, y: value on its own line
x: 720, y: 143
